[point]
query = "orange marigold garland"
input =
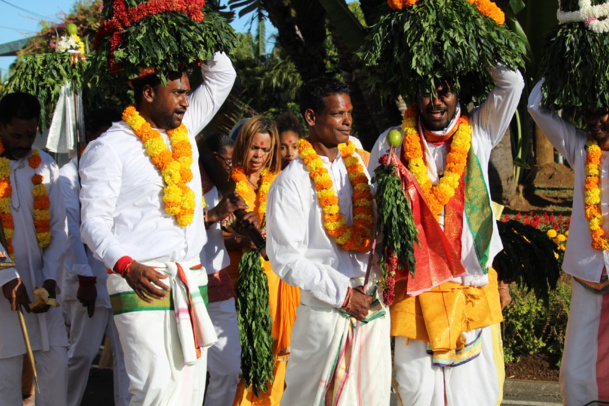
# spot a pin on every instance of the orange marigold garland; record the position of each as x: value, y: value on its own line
x: 592, y: 196
x: 42, y: 204
x: 355, y: 237
x: 489, y: 9
x: 175, y: 167
x: 256, y: 201
x: 437, y: 196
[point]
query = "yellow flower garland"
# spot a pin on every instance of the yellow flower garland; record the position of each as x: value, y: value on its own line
x: 439, y: 195
x: 592, y: 196
x: 255, y: 201
x: 175, y: 167
x: 355, y: 237
x: 42, y: 215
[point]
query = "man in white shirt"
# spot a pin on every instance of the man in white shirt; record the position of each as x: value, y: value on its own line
x: 28, y: 221
x: 84, y: 294
x: 444, y: 337
x: 584, y: 371
x: 340, y: 343
x: 129, y: 221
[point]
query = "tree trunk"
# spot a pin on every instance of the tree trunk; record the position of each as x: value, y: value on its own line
x: 501, y: 172
x: 544, y: 151
x: 301, y: 32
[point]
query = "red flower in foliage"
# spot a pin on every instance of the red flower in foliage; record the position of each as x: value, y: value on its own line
x: 123, y: 18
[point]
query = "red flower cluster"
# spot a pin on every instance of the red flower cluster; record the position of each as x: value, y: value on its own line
x: 542, y: 222
x: 124, y: 18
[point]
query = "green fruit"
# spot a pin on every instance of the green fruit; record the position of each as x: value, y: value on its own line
x: 394, y: 138
x: 71, y: 28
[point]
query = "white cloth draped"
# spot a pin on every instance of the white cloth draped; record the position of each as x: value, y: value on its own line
x: 68, y: 120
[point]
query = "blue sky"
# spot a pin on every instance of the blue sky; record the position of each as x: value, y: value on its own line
x: 20, y: 19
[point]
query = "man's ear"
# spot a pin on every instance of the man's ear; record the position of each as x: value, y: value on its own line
x: 309, y: 116
x: 148, y: 94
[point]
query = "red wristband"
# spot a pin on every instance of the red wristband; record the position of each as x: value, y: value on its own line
x: 123, y: 265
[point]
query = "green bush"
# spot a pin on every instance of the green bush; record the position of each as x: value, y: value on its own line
x: 530, y: 327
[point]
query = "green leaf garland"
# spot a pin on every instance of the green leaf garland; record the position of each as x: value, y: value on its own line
x: 255, y: 323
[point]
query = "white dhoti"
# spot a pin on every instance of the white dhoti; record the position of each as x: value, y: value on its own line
x: 336, y: 360
x: 584, y: 372
x: 478, y: 382
x: 158, y: 339
x: 86, y: 334
x: 52, y: 368
x: 224, y: 357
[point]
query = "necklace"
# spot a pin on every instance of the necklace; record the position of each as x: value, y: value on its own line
x: 439, y: 195
x: 255, y: 201
x: 592, y: 196
x: 42, y: 204
x: 355, y: 237
x: 175, y: 165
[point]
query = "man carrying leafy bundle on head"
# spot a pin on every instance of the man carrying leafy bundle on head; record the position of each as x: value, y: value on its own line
x: 444, y: 297
x: 142, y: 203
x: 576, y: 75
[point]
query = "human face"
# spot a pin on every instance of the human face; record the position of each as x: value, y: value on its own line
x: 18, y: 136
x: 597, y: 122
x: 332, y: 125
x: 437, y: 111
x: 169, y: 103
x: 225, y: 158
x: 289, y: 150
x: 259, y: 153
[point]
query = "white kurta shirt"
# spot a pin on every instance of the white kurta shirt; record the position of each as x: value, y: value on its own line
x: 489, y: 122
x: 214, y: 256
x: 34, y: 265
x: 78, y: 260
x: 122, y: 191
x: 300, y: 250
x: 581, y: 260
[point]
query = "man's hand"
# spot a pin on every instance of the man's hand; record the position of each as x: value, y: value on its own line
x: 359, y: 304
x: 16, y: 294
x: 225, y: 208
x: 87, y: 293
x: 504, y: 295
x: 50, y: 285
x: 144, y: 281
x: 249, y: 220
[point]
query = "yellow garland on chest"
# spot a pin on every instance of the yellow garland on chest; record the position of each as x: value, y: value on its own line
x: 592, y: 196
x: 256, y: 201
x: 355, y: 237
x: 437, y: 195
x: 175, y: 165
x: 42, y: 204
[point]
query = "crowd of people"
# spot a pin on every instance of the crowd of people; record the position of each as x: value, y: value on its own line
x: 242, y: 271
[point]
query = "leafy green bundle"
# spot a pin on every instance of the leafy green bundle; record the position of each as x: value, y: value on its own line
x: 165, y: 41
x: 255, y: 323
x: 395, y: 223
x: 43, y: 75
x: 576, y: 68
x: 409, y: 51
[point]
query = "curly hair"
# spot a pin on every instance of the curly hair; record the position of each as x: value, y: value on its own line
x: 314, y: 91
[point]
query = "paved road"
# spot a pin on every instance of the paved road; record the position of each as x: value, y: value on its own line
x: 516, y: 392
